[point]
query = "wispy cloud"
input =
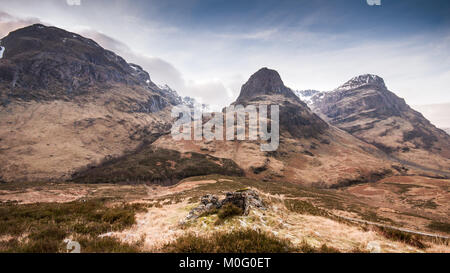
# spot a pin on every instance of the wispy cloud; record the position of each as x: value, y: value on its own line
x: 9, y: 23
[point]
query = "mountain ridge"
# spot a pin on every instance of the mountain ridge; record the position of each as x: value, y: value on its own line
x: 365, y: 108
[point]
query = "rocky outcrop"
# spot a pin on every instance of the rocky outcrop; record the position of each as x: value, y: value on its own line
x: 245, y: 200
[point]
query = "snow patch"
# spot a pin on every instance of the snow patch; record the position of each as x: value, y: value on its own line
x: 134, y: 67
x: 362, y: 80
x: 308, y: 96
x: 2, y: 49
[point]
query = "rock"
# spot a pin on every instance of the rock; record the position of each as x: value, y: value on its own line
x: 209, y: 198
x: 244, y: 199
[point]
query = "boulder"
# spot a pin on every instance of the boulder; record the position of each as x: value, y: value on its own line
x: 244, y: 199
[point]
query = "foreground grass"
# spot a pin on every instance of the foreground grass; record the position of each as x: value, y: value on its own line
x: 439, y: 226
x: 42, y: 227
x: 397, y: 235
x: 240, y: 241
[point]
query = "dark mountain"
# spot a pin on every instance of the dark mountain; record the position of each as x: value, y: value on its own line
x: 266, y: 87
x: 264, y: 82
x: 61, y: 63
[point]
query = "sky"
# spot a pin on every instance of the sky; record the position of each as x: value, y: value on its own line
x: 208, y: 48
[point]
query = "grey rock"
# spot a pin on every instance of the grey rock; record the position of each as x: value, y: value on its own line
x: 245, y: 200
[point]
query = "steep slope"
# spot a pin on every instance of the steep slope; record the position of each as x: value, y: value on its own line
x: 65, y: 102
x: 365, y: 108
x: 310, y: 152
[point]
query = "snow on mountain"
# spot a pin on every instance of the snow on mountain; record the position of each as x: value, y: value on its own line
x: 363, y: 80
x: 188, y: 101
x: 308, y: 96
x: 2, y: 49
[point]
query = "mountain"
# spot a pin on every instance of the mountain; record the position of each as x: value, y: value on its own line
x: 311, y: 152
x: 266, y: 87
x: 264, y: 82
x: 365, y: 107
x: 66, y: 102
x: 57, y: 64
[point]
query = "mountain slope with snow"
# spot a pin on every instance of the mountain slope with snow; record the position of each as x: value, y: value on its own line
x: 364, y: 107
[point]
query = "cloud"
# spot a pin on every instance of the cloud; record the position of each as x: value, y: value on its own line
x: 212, y: 92
x: 161, y: 71
x: 73, y: 2
x: 9, y: 23
x: 197, y: 45
x: 438, y: 114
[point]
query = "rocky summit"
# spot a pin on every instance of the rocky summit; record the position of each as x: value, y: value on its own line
x: 266, y: 87
x: 363, y: 80
x: 264, y: 82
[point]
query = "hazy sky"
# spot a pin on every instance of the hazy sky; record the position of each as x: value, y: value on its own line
x: 209, y: 48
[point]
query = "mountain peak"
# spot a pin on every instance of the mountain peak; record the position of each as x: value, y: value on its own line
x: 363, y: 80
x: 62, y: 63
x: 264, y: 82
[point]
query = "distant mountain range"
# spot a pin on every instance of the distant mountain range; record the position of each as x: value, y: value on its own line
x: 73, y: 110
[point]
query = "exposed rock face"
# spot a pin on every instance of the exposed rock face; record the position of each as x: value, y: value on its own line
x: 61, y: 63
x: 244, y: 200
x: 364, y: 107
x: 363, y: 80
x: 264, y: 82
x: 266, y: 87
